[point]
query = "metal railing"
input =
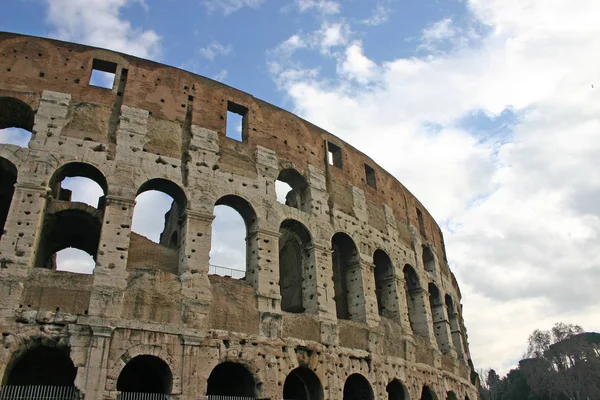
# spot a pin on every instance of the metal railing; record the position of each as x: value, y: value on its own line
x: 224, y: 271
x: 142, y: 396
x: 219, y: 397
x: 41, y: 392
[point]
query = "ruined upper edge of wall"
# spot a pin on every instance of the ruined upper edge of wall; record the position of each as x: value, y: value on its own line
x: 29, y: 65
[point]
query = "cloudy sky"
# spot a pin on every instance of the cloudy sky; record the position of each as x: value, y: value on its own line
x: 487, y: 110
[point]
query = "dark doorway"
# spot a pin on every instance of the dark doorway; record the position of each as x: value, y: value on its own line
x: 42, y: 365
x: 344, y: 258
x: 8, y: 178
x: 396, y: 390
x: 294, y: 260
x: 302, y: 384
x: 427, y: 394
x: 231, y: 379
x: 357, y: 387
x: 145, y: 374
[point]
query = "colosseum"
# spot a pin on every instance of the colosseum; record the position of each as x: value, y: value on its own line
x: 346, y: 294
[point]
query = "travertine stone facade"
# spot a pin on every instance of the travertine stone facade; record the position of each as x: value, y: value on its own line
x: 367, y: 300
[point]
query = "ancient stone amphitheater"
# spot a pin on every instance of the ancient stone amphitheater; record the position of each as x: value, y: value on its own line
x: 346, y: 293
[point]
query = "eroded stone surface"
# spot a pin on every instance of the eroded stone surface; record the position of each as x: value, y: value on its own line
x: 166, y: 126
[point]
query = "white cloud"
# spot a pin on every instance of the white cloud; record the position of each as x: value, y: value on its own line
x: 229, y: 6
x: 99, y: 23
x: 326, y: 7
x: 381, y: 13
x: 220, y: 76
x: 519, y: 205
x: 215, y: 48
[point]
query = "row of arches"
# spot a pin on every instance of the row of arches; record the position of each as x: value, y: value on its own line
x: 74, y: 221
x: 47, y: 365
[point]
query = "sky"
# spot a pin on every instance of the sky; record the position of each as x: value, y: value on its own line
x: 487, y: 110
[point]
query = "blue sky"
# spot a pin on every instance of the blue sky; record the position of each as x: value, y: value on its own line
x: 487, y: 110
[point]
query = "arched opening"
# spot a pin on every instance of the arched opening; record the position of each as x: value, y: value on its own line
x: 16, y: 121
x: 428, y: 259
x: 346, y: 264
x: 385, y: 285
x: 302, y: 384
x: 231, y: 379
x: 41, y: 365
x: 357, y: 387
x: 8, y: 178
x: 74, y: 231
x: 428, y: 394
x: 296, y: 264
x: 292, y: 189
x: 79, y: 182
x: 74, y: 215
x: 413, y: 293
x: 451, y: 396
x: 152, y: 235
x: 396, y: 390
x: 145, y: 374
x: 235, y: 221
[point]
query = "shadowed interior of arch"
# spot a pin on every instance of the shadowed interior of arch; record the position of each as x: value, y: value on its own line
x: 427, y: 394
x: 302, y: 384
x: 345, y: 260
x: 41, y: 365
x: 412, y: 288
x: 396, y: 390
x: 385, y: 284
x: 145, y: 374
x: 231, y: 379
x: 357, y: 387
x: 8, y: 178
x: 296, y: 265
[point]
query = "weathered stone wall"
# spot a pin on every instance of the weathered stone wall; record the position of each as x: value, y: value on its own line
x: 163, y: 128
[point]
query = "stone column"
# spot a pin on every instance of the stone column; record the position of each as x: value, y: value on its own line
x: 92, y: 379
x: 193, y: 267
x: 457, y: 337
x: 422, y: 322
x: 372, y: 317
x: 403, y: 305
x: 442, y: 329
x: 325, y: 304
x: 199, y: 356
x: 110, y: 274
x: 19, y: 241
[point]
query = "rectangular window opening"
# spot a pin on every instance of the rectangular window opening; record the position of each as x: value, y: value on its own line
x: 103, y: 73
x: 421, y: 223
x: 236, y: 122
x: 334, y: 155
x: 370, y: 175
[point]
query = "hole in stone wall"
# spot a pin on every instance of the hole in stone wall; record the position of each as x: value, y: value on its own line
x: 357, y: 387
x: 292, y: 189
x: 228, y: 243
x: 230, y: 250
x: 370, y: 176
x: 384, y: 283
x: 80, y: 189
x: 73, y: 260
x: 16, y: 121
x: 344, y: 257
x: 145, y: 374
x: 396, y: 390
x: 294, y: 261
x: 428, y: 259
x: 413, y: 285
x: 427, y: 394
x: 236, y: 122
x: 8, y: 178
x: 42, y: 365
x: 153, y: 211
x: 231, y: 379
x: 422, y: 230
x: 282, y: 190
x: 302, y: 384
x: 334, y: 155
x: 103, y: 73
